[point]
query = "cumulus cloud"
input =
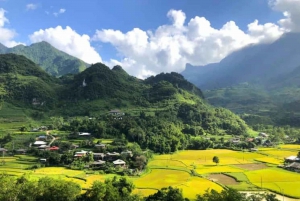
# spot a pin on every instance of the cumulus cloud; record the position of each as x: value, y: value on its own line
x: 61, y: 11
x: 69, y: 41
x: 6, y: 35
x: 31, y: 6
x: 291, y: 12
x: 171, y: 46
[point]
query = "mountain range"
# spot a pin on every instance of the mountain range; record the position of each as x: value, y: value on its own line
x: 259, y: 79
x: 99, y: 89
x: 52, y: 60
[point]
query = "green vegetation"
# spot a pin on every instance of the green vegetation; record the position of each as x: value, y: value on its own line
x: 162, y: 113
x: 53, y: 61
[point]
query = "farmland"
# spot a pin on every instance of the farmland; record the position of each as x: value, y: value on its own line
x: 192, y: 171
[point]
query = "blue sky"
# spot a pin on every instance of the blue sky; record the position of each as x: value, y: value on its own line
x: 85, y: 17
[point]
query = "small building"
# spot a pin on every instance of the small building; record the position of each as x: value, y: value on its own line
x: 43, y: 160
x: 264, y: 135
x: 119, y: 163
x: 235, y: 140
x: 295, y: 166
x: 74, y: 146
x: 42, y: 138
x: 98, y: 164
x: 84, y: 134
x: 112, y: 155
x: 80, y: 153
x: 116, y: 112
x: 34, y: 130
x: 127, y: 153
x: 43, y: 128
x: 250, y: 139
x: 291, y: 159
x: 21, y: 151
x: 44, y: 147
x: 98, y: 156
x: 100, y: 146
x: 54, y: 148
x: 3, y: 150
x: 39, y: 143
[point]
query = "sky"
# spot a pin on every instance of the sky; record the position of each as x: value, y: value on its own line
x: 147, y: 37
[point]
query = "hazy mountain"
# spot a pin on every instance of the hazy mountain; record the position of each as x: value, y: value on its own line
x: 259, y: 79
x: 253, y: 64
x: 52, y: 60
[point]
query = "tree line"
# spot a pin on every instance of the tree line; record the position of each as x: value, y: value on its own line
x: 115, y: 189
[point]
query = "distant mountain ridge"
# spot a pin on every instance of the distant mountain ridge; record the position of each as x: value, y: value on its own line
x: 253, y: 64
x: 52, y: 60
x: 259, y: 79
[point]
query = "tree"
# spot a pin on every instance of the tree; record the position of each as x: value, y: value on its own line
x: 167, y: 194
x: 216, y: 160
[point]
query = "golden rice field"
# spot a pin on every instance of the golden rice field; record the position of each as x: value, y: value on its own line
x: 217, y: 169
x: 290, y: 146
x: 280, y: 154
x: 270, y: 160
x: 163, y: 178
x: 277, y: 180
x: 249, y: 168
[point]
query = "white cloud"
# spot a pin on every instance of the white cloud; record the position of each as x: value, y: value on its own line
x: 173, y: 45
x: 69, y: 41
x: 31, y: 6
x: 6, y: 35
x: 61, y: 11
x: 291, y: 11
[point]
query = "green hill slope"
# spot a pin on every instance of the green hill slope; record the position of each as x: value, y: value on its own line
x: 53, y: 61
x: 25, y: 84
x: 167, y: 98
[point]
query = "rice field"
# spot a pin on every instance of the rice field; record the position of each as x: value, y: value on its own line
x: 277, y: 180
x: 291, y: 146
x: 192, y: 171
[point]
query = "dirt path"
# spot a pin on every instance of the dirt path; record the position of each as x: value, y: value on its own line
x: 53, y: 138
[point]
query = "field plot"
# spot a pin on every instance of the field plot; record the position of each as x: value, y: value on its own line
x: 197, y: 185
x: 280, y: 154
x: 270, y: 160
x: 223, y: 179
x: 291, y: 146
x: 204, y: 157
x: 217, y: 169
x: 253, y: 166
x: 276, y: 179
x: 166, y: 163
x: 158, y: 179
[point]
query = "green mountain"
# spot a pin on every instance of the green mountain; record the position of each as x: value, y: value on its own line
x: 53, y: 61
x: 166, y: 98
x: 23, y: 83
x: 258, y: 82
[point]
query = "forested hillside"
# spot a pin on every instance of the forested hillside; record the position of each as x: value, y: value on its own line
x: 161, y: 112
x: 53, y: 61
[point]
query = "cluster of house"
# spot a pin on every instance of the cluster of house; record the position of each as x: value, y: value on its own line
x: 42, y: 144
x: 100, y: 159
x: 37, y: 129
x: 292, y: 163
x: 261, y: 136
